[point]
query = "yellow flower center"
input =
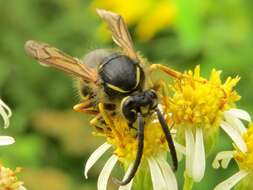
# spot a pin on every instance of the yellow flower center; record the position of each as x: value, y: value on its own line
x: 245, y: 160
x: 198, y: 101
x: 8, y: 179
x: 125, y: 142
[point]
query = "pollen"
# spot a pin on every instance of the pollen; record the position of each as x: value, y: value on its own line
x: 125, y: 142
x: 199, y: 101
x: 8, y: 179
x: 245, y: 159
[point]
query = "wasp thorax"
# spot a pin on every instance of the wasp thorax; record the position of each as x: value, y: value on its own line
x: 120, y: 74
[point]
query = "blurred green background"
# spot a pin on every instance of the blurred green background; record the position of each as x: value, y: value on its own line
x: 53, y: 142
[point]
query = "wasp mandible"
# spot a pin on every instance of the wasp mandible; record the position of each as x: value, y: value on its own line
x: 113, y: 82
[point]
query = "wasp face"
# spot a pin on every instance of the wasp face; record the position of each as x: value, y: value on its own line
x: 142, y: 102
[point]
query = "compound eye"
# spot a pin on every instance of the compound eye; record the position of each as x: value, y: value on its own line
x: 128, y: 109
x: 153, y: 96
x: 129, y: 102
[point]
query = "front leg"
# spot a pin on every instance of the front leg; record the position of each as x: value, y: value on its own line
x: 167, y: 70
x: 108, y: 120
x: 175, y: 74
x: 87, y: 106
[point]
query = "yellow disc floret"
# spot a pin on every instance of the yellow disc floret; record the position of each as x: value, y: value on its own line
x: 245, y: 159
x: 8, y: 179
x: 201, y: 102
x: 125, y: 141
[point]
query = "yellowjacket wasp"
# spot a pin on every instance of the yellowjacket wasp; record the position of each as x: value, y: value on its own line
x: 113, y: 82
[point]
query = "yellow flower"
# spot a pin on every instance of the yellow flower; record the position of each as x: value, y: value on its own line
x: 160, y: 13
x: 198, y: 107
x: 9, y: 180
x: 124, y: 143
x: 244, y: 159
x: 200, y: 102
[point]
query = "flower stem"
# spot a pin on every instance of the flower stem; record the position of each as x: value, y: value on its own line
x: 188, y: 182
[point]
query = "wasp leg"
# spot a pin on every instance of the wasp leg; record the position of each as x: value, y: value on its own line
x: 105, y: 116
x: 95, y: 122
x: 99, y: 124
x: 130, y: 125
x: 168, y: 138
x: 140, y: 138
x: 108, y: 122
x: 162, y: 90
x: 167, y: 70
x: 86, y: 107
x: 173, y: 73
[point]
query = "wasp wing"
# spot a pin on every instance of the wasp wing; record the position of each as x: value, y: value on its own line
x: 120, y: 34
x: 50, y: 56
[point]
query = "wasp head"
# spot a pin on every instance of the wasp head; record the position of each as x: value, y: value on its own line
x: 141, y: 102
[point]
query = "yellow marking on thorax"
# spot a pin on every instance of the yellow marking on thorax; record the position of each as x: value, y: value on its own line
x: 116, y: 88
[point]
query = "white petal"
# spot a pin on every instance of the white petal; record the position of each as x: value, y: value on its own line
x: 180, y: 151
x: 224, y: 157
x: 22, y: 188
x: 168, y: 174
x: 189, y: 145
x: 129, y: 185
x: 232, y: 181
x: 180, y: 148
x: 94, y: 157
x: 241, y: 114
x: 199, y: 161
x: 8, y: 110
x: 105, y: 173
x: 6, y: 140
x: 180, y: 156
x: 6, y: 113
x: 235, y: 122
x: 156, y: 175
x: 234, y: 135
x: 4, y: 117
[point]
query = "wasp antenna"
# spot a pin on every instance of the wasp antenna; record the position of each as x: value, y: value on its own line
x: 168, y: 138
x: 140, y: 138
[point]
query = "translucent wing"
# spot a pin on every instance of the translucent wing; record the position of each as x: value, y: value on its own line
x: 50, y: 56
x: 120, y: 34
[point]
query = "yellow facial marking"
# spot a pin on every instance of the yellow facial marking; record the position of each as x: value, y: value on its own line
x: 117, y: 88
x: 138, y: 76
x: 123, y: 101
